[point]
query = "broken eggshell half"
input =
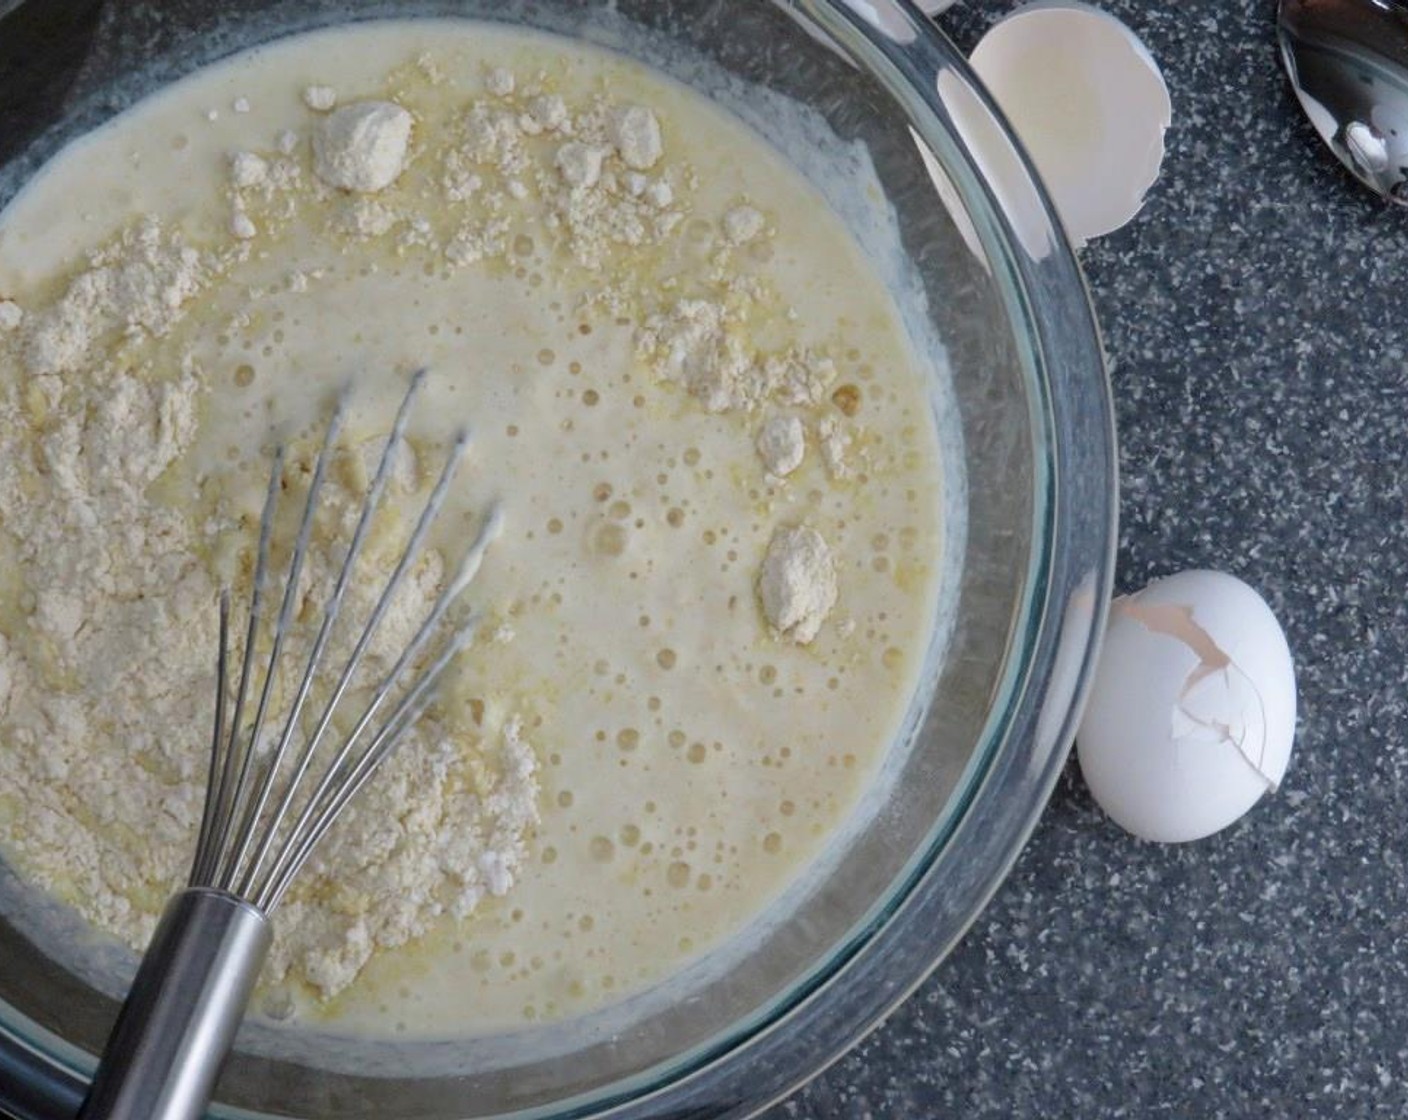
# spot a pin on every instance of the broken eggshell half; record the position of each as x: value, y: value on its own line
x: 1089, y: 103
x: 1192, y: 712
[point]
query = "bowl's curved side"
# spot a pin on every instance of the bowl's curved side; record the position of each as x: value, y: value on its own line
x: 1057, y: 643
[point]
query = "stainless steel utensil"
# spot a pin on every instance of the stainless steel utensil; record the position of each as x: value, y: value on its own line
x: 1348, y: 63
x: 263, y: 814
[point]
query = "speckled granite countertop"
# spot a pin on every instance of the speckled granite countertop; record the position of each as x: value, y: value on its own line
x: 1255, y: 319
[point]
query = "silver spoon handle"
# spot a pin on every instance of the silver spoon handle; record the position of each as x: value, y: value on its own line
x: 180, y: 1018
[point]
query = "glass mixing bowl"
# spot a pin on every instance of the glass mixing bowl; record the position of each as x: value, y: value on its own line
x: 1029, y: 502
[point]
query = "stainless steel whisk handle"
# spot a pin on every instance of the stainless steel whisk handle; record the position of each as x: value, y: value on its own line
x: 180, y: 1018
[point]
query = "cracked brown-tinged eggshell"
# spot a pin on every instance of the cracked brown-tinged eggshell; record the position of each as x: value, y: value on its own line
x: 1192, y: 712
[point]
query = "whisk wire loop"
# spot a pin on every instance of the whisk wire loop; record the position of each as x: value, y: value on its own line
x: 341, y: 780
x: 207, y: 817
x: 255, y: 805
x: 349, y: 781
x: 233, y: 780
x: 251, y: 843
x: 393, y: 677
x: 331, y: 610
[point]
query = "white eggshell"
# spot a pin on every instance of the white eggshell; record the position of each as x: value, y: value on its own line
x: 951, y: 199
x: 1088, y: 101
x: 1000, y: 162
x: 1192, y: 712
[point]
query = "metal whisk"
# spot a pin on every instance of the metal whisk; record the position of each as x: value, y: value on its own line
x: 264, y: 811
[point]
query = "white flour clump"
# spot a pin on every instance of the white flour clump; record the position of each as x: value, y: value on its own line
x: 798, y: 582
x: 798, y: 377
x: 580, y: 164
x: 743, y: 224
x: 500, y: 81
x: 835, y: 443
x: 362, y: 147
x: 247, y: 169
x: 524, y: 143
x: 701, y: 345
x: 546, y: 113
x: 635, y: 133
x: 242, y: 226
x: 781, y: 445
x: 692, y: 345
x: 320, y: 99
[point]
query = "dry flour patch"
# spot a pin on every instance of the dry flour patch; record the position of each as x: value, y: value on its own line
x: 781, y: 445
x: 362, y: 147
x: 321, y: 99
x: 797, y: 585
x: 138, y: 285
x: 108, y: 564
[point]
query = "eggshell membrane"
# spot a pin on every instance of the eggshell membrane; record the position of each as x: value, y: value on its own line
x: 1153, y: 772
x: 1089, y: 103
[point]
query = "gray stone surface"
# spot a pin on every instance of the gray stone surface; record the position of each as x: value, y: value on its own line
x: 1256, y: 318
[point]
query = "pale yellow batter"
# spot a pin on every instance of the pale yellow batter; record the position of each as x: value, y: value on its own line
x: 693, y: 761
